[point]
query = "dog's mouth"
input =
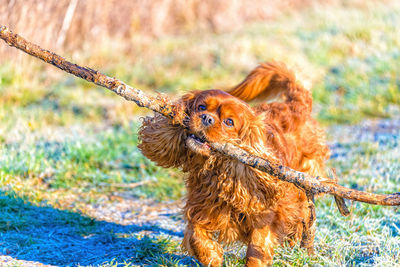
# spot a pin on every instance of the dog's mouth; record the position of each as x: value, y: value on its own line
x: 199, y: 140
x: 198, y: 144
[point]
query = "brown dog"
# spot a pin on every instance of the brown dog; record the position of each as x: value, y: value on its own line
x: 226, y: 200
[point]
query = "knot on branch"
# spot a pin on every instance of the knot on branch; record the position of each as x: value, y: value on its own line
x: 120, y: 89
x: 180, y: 115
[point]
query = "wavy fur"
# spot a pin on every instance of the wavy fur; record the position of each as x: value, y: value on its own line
x: 226, y: 200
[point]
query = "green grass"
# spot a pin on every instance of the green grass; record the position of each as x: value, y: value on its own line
x: 88, y: 165
x: 66, y: 144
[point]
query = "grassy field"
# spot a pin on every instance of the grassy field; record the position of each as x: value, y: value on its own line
x: 68, y: 147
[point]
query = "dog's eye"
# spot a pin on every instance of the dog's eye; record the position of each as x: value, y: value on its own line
x: 228, y: 122
x: 201, y: 108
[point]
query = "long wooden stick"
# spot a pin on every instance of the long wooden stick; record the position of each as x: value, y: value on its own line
x: 312, y: 185
x: 157, y: 104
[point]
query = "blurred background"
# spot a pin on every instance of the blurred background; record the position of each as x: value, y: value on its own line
x: 70, y: 146
x: 346, y: 51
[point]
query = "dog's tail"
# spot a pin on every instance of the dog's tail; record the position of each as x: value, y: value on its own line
x: 272, y: 80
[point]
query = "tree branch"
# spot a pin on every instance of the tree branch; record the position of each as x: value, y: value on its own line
x: 311, y: 185
x: 308, y: 183
x: 158, y: 104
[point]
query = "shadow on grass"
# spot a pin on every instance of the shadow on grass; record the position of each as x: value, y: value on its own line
x: 59, y: 237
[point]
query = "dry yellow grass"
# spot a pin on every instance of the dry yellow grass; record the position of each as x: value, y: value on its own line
x: 70, y: 23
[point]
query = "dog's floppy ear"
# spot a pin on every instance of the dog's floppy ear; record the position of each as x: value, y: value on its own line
x: 252, y: 131
x: 255, y: 136
x: 183, y: 106
x: 188, y: 101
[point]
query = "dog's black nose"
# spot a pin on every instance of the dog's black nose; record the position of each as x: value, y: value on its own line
x: 207, y: 120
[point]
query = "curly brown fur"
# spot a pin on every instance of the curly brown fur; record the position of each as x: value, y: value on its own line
x: 226, y: 200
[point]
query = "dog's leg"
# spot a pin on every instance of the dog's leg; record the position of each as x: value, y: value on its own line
x: 198, y: 242
x: 260, y: 250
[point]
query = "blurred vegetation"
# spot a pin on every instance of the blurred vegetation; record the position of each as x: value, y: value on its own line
x: 348, y: 55
x: 66, y: 143
x: 71, y: 24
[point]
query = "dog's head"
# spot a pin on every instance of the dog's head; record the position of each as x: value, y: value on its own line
x: 217, y: 116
